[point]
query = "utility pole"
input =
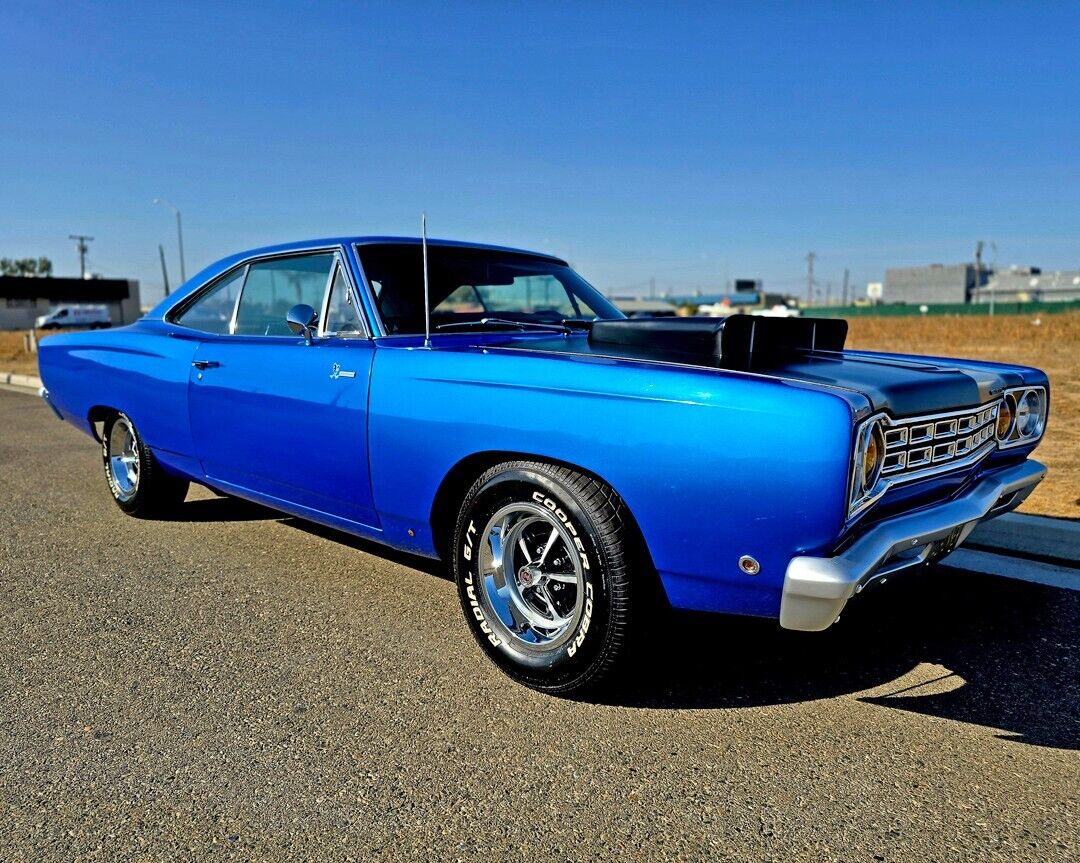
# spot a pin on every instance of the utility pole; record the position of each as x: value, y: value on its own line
x: 810, y: 278
x: 845, y: 286
x: 164, y: 272
x: 978, y: 273
x: 179, y: 234
x: 80, y: 243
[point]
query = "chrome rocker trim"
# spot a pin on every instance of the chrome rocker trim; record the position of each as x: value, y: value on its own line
x: 816, y: 589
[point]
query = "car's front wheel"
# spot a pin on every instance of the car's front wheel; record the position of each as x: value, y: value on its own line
x: 136, y: 481
x: 540, y: 560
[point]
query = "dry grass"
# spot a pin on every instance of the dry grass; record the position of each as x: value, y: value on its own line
x: 12, y: 356
x: 1051, y: 342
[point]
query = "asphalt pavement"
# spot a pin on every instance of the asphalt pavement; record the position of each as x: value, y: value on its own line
x: 236, y: 684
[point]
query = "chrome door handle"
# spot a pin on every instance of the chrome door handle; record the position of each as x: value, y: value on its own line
x: 206, y: 364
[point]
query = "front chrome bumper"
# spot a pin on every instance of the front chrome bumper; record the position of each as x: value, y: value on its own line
x: 816, y: 589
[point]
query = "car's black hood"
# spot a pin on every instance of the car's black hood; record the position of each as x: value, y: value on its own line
x: 903, y: 386
x: 811, y: 350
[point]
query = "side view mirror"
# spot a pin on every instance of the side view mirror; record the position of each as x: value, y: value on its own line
x: 301, y: 320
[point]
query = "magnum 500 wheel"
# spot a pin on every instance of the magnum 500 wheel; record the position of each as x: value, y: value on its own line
x: 540, y: 564
x: 137, y: 483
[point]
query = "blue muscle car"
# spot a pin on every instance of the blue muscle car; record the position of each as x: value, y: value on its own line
x: 574, y: 467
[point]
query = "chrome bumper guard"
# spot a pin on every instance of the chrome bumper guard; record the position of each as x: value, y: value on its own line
x: 816, y: 589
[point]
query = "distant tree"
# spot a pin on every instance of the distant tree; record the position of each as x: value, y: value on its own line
x: 26, y: 267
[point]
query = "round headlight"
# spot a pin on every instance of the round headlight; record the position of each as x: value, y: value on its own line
x: 1005, y: 418
x: 1029, y: 412
x: 873, y: 452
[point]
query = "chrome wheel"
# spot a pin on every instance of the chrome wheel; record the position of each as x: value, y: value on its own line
x: 122, y: 460
x: 531, y: 575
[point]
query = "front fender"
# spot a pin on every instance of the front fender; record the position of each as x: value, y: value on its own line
x: 713, y: 465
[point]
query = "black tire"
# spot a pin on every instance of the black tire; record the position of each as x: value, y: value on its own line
x: 152, y: 492
x: 587, y: 650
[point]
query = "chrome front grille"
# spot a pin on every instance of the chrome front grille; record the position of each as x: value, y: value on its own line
x: 937, y: 441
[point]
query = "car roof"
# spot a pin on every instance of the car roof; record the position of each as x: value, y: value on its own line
x: 301, y: 245
x: 218, y: 267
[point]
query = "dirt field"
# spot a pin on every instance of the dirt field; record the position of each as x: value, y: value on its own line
x: 12, y: 356
x: 1051, y: 342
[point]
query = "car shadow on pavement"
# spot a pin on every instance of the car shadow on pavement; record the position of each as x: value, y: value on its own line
x: 227, y: 508
x: 956, y: 645
x: 222, y: 509
x: 413, y: 561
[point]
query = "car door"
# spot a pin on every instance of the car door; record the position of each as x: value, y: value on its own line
x: 274, y: 415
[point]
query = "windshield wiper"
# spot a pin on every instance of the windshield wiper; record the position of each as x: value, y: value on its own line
x: 504, y: 322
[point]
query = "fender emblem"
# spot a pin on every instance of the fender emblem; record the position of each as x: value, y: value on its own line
x: 337, y: 372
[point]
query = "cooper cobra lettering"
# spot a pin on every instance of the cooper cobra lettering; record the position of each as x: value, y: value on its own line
x: 586, y: 619
x: 555, y: 510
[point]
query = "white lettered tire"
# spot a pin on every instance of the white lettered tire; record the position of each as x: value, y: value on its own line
x: 540, y: 560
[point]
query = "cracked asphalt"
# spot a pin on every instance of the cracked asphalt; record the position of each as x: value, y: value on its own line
x: 239, y: 685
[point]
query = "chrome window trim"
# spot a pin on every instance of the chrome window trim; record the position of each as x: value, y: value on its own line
x: 236, y: 302
x: 187, y: 302
x: 298, y: 254
x: 371, y: 305
x: 350, y: 287
x: 320, y: 330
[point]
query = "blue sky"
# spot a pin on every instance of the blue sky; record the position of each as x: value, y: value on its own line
x: 690, y: 143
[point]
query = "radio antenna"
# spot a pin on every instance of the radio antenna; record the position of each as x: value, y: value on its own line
x: 427, y: 302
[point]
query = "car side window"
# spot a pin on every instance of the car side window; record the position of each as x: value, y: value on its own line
x: 212, y: 312
x: 342, y: 316
x: 275, y: 286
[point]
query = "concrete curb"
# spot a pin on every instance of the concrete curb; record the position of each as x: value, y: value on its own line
x: 1052, y: 540
x: 30, y: 382
x: 1018, y: 568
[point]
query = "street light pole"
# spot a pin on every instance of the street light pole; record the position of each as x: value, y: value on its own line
x: 179, y: 235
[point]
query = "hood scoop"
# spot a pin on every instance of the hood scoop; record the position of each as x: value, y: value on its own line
x: 737, y: 342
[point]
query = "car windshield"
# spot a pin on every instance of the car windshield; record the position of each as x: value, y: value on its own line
x: 475, y: 287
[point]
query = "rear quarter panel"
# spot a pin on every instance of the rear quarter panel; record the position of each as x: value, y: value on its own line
x: 141, y: 370
x: 713, y: 465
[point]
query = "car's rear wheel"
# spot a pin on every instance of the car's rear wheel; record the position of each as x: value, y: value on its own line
x: 138, y: 484
x: 540, y: 559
